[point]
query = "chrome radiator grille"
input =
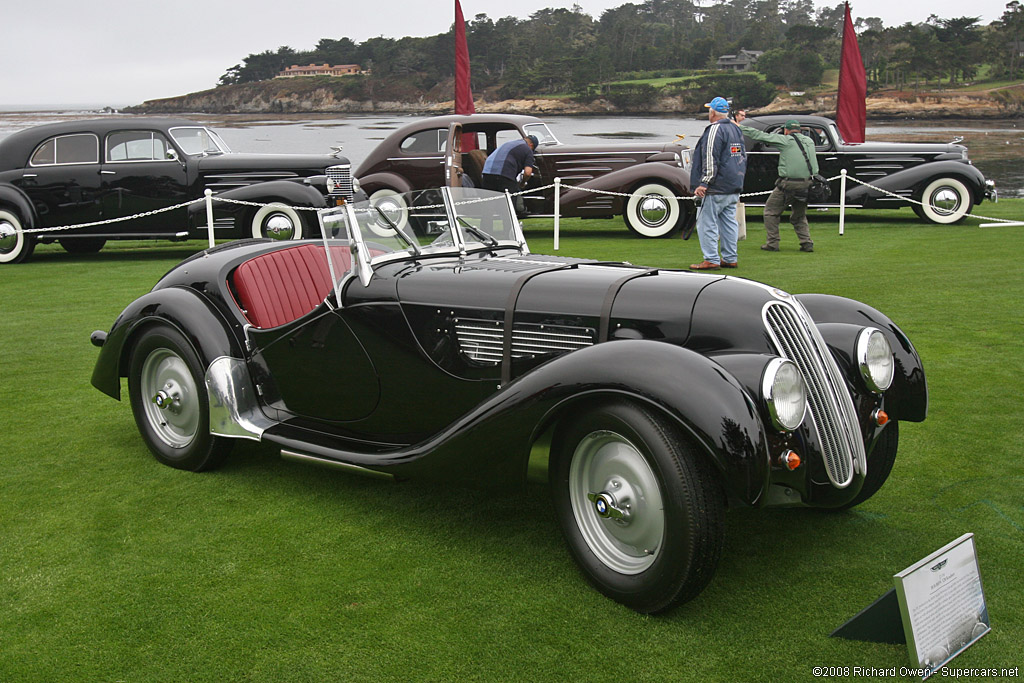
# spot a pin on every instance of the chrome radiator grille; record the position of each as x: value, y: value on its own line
x: 341, y: 175
x: 828, y: 401
x: 481, y: 340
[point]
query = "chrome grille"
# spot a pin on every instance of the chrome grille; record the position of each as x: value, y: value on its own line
x: 341, y: 175
x: 481, y: 340
x: 830, y: 405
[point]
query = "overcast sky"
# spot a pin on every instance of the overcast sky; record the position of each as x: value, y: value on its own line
x: 121, y: 52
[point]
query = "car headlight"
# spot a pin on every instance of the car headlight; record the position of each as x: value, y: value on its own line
x: 784, y: 393
x: 355, y: 185
x: 874, y: 357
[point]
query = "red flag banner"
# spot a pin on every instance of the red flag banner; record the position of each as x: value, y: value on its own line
x: 851, y: 110
x: 463, y: 92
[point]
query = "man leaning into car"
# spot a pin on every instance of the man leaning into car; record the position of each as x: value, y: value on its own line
x: 794, y: 179
x: 506, y: 163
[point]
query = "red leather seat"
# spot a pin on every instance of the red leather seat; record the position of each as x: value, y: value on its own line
x: 284, y: 285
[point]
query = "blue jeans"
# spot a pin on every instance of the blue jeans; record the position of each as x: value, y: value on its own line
x: 716, y: 223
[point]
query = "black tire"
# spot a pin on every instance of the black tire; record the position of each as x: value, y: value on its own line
x: 275, y: 221
x: 879, y: 464
x: 82, y: 245
x: 653, y: 211
x: 15, y: 245
x: 659, y: 479
x: 175, y: 426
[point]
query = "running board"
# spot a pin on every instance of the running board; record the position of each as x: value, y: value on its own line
x: 335, y: 464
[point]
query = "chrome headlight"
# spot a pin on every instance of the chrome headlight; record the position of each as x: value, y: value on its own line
x: 784, y: 394
x: 875, y: 360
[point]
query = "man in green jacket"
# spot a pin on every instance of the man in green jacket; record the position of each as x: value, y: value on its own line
x: 794, y: 179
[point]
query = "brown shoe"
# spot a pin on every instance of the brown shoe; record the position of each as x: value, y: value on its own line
x: 726, y: 264
x: 704, y: 265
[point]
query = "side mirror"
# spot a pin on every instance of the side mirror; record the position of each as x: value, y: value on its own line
x: 172, y: 154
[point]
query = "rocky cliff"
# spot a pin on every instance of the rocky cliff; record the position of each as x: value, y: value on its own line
x: 344, y: 96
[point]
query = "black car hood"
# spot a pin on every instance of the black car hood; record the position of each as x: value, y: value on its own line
x: 910, y: 148
x: 285, y: 162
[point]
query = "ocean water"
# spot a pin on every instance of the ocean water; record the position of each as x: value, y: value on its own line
x: 995, y: 147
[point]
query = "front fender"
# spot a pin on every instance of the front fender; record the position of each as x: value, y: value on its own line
x: 491, y: 443
x: 624, y: 180
x: 907, y: 398
x: 919, y: 175
x: 184, y: 309
x: 282, y: 191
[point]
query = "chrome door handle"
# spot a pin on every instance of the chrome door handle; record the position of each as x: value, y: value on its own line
x: 29, y: 175
x: 108, y: 172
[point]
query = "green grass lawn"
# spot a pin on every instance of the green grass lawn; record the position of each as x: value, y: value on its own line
x: 116, y: 568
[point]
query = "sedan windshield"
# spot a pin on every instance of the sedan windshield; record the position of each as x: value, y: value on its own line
x: 199, y: 140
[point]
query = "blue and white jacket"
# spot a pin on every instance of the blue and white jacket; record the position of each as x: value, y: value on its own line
x: 719, y: 159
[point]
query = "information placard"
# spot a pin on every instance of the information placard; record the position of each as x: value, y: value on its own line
x: 942, y: 605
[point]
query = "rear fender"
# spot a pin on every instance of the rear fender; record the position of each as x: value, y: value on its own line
x: 188, y: 312
x: 907, y: 398
x: 377, y: 181
x: 15, y: 198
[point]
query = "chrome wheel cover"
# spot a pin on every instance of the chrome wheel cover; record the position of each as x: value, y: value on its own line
x: 945, y: 200
x: 609, y: 476
x: 654, y: 210
x: 170, y: 398
x: 8, y: 237
x: 279, y: 226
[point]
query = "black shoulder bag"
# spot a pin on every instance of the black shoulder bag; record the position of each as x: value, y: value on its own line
x: 819, y: 192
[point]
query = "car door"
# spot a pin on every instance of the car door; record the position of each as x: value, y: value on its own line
x: 453, y: 156
x: 141, y: 172
x: 62, y: 180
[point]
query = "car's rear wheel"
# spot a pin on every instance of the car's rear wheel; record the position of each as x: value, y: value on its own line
x: 169, y: 400
x: 944, y: 201
x: 879, y: 464
x: 640, y: 508
x: 653, y: 210
x: 82, y: 245
x: 393, y: 205
x: 276, y: 221
x: 15, y: 245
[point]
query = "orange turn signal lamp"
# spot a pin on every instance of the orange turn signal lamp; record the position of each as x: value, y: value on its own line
x: 790, y: 460
x: 880, y: 417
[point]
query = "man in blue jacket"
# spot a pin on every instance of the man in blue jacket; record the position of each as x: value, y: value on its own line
x: 719, y: 165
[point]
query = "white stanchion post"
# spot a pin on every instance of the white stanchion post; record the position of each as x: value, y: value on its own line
x: 842, y: 201
x: 558, y: 208
x: 209, y: 214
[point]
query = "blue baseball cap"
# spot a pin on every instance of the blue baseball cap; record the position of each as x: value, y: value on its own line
x: 719, y: 104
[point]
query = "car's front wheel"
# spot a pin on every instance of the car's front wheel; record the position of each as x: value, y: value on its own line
x: 944, y: 201
x: 276, y: 221
x: 169, y: 400
x: 640, y: 508
x: 15, y: 245
x: 653, y: 210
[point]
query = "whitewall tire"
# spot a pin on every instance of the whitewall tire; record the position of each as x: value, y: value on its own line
x: 653, y: 211
x: 394, y: 206
x: 277, y: 221
x: 15, y: 245
x: 945, y: 201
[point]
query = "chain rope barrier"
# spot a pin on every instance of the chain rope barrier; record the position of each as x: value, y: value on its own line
x: 465, y: 202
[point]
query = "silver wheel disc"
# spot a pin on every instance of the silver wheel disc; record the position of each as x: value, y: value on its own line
x: 654, y: 210
x: 945, y: 200
x: 8, y: 237
x: 279, y: 227
x: 617, y: 502
x: 170, y: 397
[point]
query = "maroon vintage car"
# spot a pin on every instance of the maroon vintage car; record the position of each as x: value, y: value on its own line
x: 413, y: 158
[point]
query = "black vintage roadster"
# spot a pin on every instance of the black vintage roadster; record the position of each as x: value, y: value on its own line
x: 664, y: 395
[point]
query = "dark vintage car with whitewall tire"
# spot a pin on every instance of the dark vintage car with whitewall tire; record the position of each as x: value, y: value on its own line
x: 89, y: 171
x: 655, y: 173
x: 937, y: 180
x: 662, y: 396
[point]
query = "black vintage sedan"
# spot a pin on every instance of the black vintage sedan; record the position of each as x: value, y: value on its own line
x: 661, y: 396
x: 76, y: 172
x: 654, y: 173
x: 938, y: 179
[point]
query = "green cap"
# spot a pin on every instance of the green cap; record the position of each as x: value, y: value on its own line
x: 792, y: 124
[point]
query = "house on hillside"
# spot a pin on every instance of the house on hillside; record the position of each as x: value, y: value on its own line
x: 319, y: 70
x: 744, y: 60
